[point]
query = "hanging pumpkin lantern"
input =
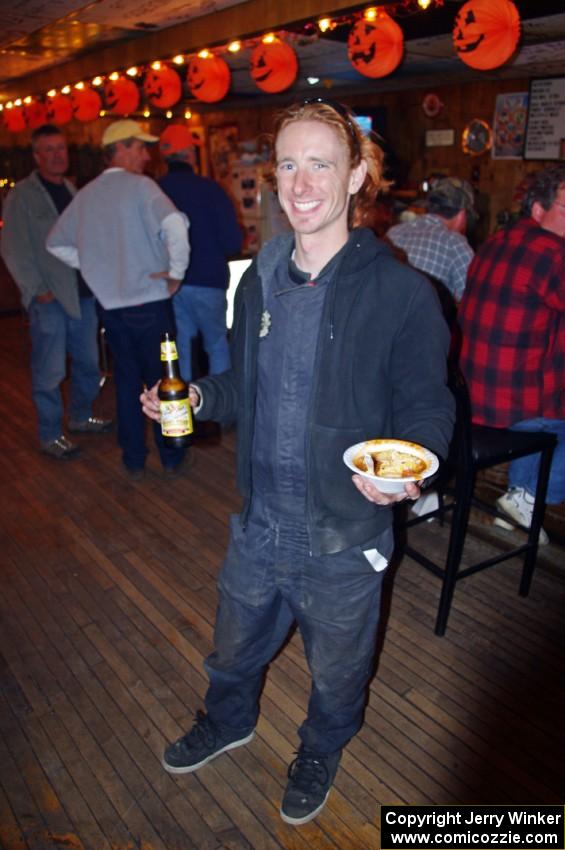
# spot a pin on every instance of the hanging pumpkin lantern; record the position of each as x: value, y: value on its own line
x: 375, y: 48
x: 35, y: 114
x: 87, y: 104
x: 274, y: 66
x: 162, y: 87
x: 486, y: 33
x: 59, y: 109
x: 14, y: 119
x: 208, y: 78
x: 121, y: 96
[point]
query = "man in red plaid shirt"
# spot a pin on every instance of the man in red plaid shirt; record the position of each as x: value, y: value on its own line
x: 512, y: 319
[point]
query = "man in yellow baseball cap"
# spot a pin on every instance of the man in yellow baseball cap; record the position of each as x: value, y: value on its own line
x: 121, y: 131
x: 131, y: 245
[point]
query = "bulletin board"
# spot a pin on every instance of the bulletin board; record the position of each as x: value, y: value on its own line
x: 545, y: 131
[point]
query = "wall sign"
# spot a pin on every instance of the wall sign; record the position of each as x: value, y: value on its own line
x: 545, y: 131
x: 439, y: 138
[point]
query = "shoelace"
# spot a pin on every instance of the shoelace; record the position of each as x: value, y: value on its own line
x: 202, y: 732
x: 308, y: 770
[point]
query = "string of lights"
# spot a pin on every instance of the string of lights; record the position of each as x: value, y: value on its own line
x: 375, y: 48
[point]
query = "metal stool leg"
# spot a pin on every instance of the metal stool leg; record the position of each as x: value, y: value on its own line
x: 537, y: 518
x: 459, y: 523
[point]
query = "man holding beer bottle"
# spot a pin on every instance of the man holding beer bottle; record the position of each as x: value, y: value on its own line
x: 333, y: 342
x: 122, y: 231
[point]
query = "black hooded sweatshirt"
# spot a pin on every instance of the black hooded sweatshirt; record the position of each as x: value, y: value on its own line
x: 380, y: 372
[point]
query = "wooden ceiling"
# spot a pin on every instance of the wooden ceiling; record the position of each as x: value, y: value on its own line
x: 47, y: 43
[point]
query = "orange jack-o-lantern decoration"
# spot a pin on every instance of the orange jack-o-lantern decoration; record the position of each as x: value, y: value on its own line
x: 375, y: 48
x: 121, y: 96
x: 35, y: 114
x: 274, y: 66
x: 208, y: 78
x: 162, y: 87
x: 14, y: 119
x: 59, y: 109
x: 486, y: 33
x: 87, y: 104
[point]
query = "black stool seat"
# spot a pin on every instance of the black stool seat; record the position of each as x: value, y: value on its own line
x: 491, y: 446
x: 476, y: 447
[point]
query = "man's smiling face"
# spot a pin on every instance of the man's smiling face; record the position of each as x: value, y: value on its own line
x: 314, y: 178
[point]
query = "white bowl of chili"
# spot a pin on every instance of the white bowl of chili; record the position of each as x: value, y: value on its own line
x: 389, y: 464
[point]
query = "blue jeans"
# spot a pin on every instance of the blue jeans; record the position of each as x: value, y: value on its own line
x: 134, y: 338
x: 268, y: 581
x: 524, y: 471
x: 201, y: 308
x: 54, y: 334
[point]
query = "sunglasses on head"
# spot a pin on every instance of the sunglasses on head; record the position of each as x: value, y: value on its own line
x: 341, y: 110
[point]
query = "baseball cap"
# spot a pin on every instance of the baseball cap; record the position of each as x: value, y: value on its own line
x: 175, y: 138
x: 119, y: 131
x: 452, y: 193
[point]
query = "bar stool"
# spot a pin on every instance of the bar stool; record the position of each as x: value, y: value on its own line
x: 476, y: 447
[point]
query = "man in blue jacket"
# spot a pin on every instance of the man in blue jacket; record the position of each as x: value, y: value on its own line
x: 333, y: 342
x: 215, y: 235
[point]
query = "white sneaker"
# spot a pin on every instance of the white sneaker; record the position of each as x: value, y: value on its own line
x: 518, y: 504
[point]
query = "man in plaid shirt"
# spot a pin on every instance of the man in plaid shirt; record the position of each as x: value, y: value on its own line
x: 435, y: 243
x: 512, y: 320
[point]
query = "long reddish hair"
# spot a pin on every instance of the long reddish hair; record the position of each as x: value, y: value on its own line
x: 360, y: 147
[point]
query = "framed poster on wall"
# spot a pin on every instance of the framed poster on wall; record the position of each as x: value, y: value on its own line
x: 509, y: 125
x: 222, y: 142
x: 545, y: 130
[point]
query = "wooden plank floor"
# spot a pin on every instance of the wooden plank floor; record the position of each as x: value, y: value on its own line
x: 107, y: 600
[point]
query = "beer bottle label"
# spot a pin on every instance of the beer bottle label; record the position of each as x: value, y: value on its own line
x: 176, y: 418
x: 169, y: 350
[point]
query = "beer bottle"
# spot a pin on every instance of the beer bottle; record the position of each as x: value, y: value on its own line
x: 176, y: 415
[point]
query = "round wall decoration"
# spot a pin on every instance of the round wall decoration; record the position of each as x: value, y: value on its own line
x: 432, y: 105
x: 477, y: 137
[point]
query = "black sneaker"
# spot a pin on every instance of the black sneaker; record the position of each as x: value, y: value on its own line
x: 310, y: 778
x: 203, y: 743
x: 60, y: 449
x: 92, y: 425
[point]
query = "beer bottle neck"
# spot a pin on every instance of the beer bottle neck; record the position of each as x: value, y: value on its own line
x: 170, y: 368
